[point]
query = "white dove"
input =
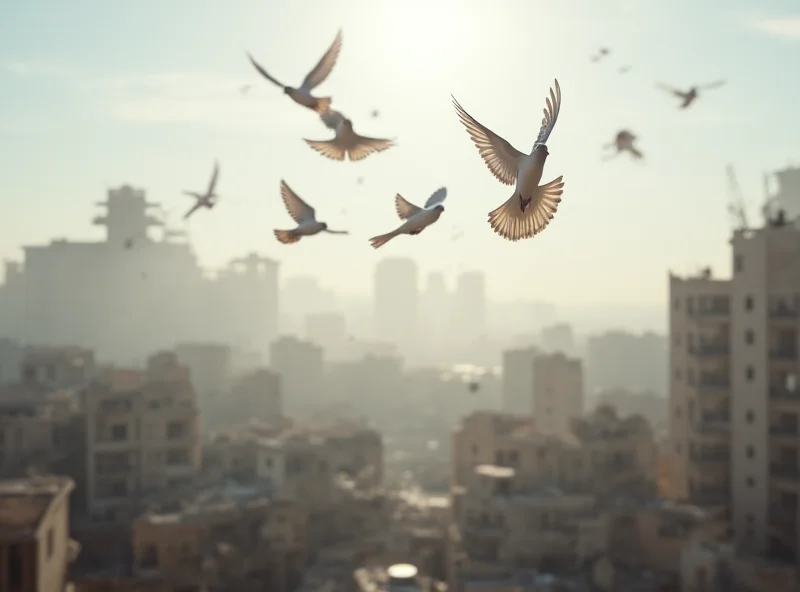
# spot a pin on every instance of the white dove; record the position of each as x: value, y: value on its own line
x: 530, y: 209
x: 317, y: 76
x: 207, y: 199
x: 346, y: 141
x: 690, y: 96
x: 416, y: 219
x: 304, y: 215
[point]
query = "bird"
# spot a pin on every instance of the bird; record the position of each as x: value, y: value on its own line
x: 128, y: 244
x: 415, y: 219
x: 529, y: 210
x: 302, y: 95
x: 474, y: 386
x: 346, y: 142
x: 245, y: 88
x: 207, y: 199
x: 688, y: 97
x: 604, y: 51
x: 623, y: 142
x: 624, y: 69
x: 375, y: 113
x: 304, y: 215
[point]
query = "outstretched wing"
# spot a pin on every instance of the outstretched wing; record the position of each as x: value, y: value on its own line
x: 263, y: 72
x: 436, y: 198
x: 551, y: 111
x: 364, y: 146
x: 500, y: 156
x: 670, y: 90
x: 299, y: 210
x: 326, y: 63
x: 405, y: 209
x: 328, y: 148
x: 716, y: 84
x: 212, y: 185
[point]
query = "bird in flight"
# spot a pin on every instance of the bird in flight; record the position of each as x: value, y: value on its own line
x: 375, y: 113
x: 623, y: 142
x: 415, y: 219
x: 688, y: 97
x: 207, y: 199
x: 624, y: 69
x: 604, y: 51
x: 245, y: 88
x: 317, y: 76
x: 346, y: 142
x: 529, y: 210
x: 304, y: 215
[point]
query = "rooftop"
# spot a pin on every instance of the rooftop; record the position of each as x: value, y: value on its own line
x: 495, y: 471
x: 24, y: 502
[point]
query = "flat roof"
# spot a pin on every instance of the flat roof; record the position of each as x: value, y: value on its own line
x: 24, y: 502
x: 495, y: 471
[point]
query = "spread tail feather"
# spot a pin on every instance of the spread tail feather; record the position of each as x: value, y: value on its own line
x: 287, y: 237
x: 514, y: 223
x: 323, y: 104
x: 382, y: 239
x: 635, y: 153
x: 328, y: 148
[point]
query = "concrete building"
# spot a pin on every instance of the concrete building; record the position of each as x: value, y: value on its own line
x: 328, y: 330
x: 469, y: 307
x: 558, y: 338
x: 517, y: 380
x: 143, y: 433
x: 300, y: 365
x: 256, y: 395
x: 734, y: 398
x: 396, y: 298
x: 557, y: 392
x: 35, y: 548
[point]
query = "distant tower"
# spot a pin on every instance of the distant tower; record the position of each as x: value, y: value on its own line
x: 396, y: 299
x: 126, y: 216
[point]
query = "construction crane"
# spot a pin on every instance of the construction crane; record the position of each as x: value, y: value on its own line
x: 736, y: 206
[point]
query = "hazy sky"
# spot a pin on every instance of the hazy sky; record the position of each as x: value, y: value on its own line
x: 96, y: 94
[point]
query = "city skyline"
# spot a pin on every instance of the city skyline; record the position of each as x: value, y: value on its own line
x: 162, y: 103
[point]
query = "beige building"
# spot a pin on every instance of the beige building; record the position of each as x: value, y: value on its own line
x: 734, y: 398
x: 143, y: 433
x: 35, y: 548
x: 557, y: 392
x: 517, y: 380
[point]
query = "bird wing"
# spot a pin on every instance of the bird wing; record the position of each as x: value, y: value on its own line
x: 513, y: 223
x: 326, y: 63
x: 716, y: 84
x: 364, y: 146
x: 263, y: 72
x: 500, y: 156
x: 331, y: 118
x: 436, y: 198
x: 193, y: 194
x: 551, y: 111
x: 299, y: 210
x: 328, y: 148
x: 405, y: 209
x: 337, y: 231
x: 214, y: 176
x: 192, y: 210
x: 669, y: 89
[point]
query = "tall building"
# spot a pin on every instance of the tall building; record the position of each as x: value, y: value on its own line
x: 517, y: 380
x: 397, y: 301
x: 734, y: 397
x: 435, y: 304
x: 558, y: 338
x: 329, y: 330
x: 557, y: 392
x: 469, y: 307
x: 619, y: 359
x: 300, y: 365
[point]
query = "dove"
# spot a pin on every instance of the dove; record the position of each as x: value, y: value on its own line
x: 415, y: 219
x: 624, y: 143
x: 207, y: 199
x: 624, y: 69
x: 304, y: 215
x: 346, y: 142
x: 529, y: 210
x: 689, y: 97
x: 604, y: 51
x: 302, y: 95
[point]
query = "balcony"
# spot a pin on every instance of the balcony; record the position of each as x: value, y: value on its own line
x: 780, y: 514
x: 710, y: 456
x: 710, y: 350
x: 783, y: 311
x: 784, y: 431
x: 784, y: 353
x: 785, y: 472
x: 715, y: 311
x: 782, y: 393
x: 713, y: 382
x: 713, y: 422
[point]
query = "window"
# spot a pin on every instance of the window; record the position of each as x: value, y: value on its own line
x: 268, y: 462
x: 176, y: 430
x: 751, y: 482
x: 738, y: 263
x: 50, y: 543
x: 750, y: 416
x: 749, y: 337
x: 177, y: 457
x: 750, y: 452
x: 750, y: 373
x: 748, y: 303
x: 676, y: 304
x: 119, y: 432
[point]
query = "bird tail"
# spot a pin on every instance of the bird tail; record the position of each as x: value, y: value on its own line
x: 382, y: 239
x: 323, y: 104
x: 635, y: 153
x: 287, y: 237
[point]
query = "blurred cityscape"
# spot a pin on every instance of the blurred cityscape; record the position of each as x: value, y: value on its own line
x: 165, y: 428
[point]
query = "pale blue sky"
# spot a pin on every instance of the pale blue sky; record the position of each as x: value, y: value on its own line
x: 96, y: 93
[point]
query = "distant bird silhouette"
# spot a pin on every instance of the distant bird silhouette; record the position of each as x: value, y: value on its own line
x: 317, y: 76
x: 304, y: 215
x: 623, y: 142
x: 128, y: 243
x: 415, y: 219
x: 688, y: 97
x: 375, y: 113
x: 604, y: 51
x: 207, y: 199
x: 346, y: 142
x: 245, y: 88
x: 624, y: 69
x: 360, y: 181
x: 529, y: 210
x: 474, y: 387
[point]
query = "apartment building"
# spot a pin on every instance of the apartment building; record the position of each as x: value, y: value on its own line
x: 143, y: 433
x: 557, y: 392
x: 35, y: 548
x: 517, y: 380
x: 734, y: 397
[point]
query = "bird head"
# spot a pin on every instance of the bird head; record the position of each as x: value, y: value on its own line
x: 287, y: 89
x: 439, y: 208
x: 542, y: 149
x: 324, y: 225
